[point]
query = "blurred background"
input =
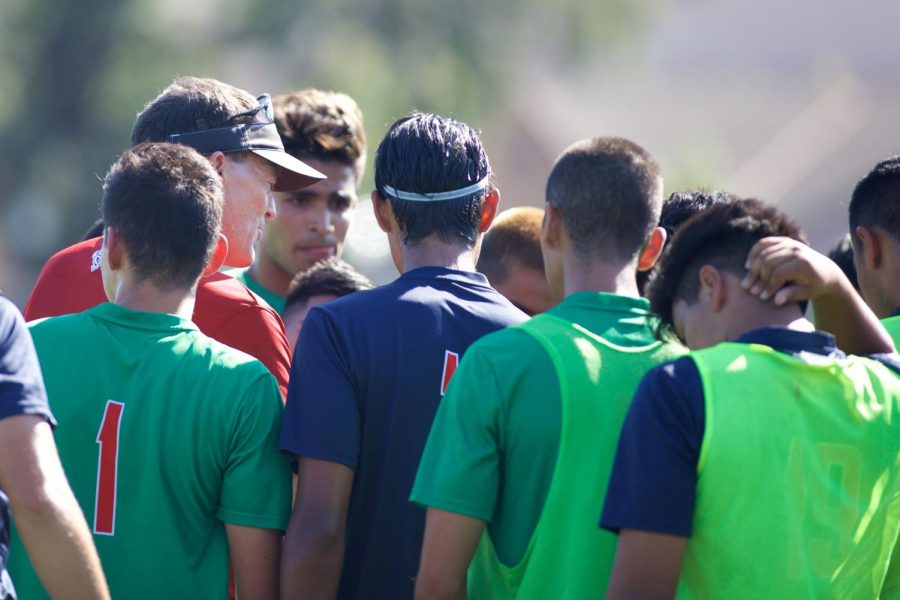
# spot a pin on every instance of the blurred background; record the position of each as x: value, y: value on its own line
x: 791, y: 102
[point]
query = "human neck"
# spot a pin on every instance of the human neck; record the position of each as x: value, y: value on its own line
x: 599, y: 276
x: 756, y: 314
x: 267, y: 273
x: 147, y: 297
x: 433, y: 252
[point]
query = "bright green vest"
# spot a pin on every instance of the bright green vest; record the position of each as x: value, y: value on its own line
x: 892, y: 324
x: 569, y: 556
x: 798, y: 492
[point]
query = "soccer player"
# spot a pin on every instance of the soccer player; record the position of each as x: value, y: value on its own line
x: 321, y: 283
x: 518, y: 458
x: 170, y: 438
x: 766, y: 439
x: 236, y: 133
x: 32, y: 481
x: 511, y: 259
x: 371, y: 367
x: 875, y: 234
x: 842, y: 255
x: 324, y: 130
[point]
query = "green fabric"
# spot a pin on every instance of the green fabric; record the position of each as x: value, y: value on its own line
x: 197, y: 445
x: 814, y: 445
x: 271, y: 298
x: 892, y: 324
x: 495, y: 445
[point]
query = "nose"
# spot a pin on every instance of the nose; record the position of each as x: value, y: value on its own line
x: 270, y: 206
x: 320, y: 221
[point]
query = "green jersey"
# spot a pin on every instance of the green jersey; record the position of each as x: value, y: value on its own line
x: 165, y: 435
x: 798, y: 480
x: 517, y: 436
x: 271, y: 298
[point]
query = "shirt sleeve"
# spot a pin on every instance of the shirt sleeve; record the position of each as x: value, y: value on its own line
x: 21, y: 384
x: 260, y: 333
x: 460, y: 468
x: 654, y: 477
x: 322, y: 417
x: 256, y: 488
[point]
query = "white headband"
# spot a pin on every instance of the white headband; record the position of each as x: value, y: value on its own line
x: 437, y: 196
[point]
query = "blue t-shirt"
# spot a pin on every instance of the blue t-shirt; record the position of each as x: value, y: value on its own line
x: 21, y: 393
x: 654, y: 478
x: 366, y: 379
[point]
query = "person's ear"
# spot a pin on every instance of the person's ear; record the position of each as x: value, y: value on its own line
x: 869, y: 247
x: 552, y: 228
x: 489, y: 209
x: 217, y: 160
x: 712, y: 287
x: 218, y: 257
x: 114, y: 248
x: 384, y: 212
x: 650, y: 254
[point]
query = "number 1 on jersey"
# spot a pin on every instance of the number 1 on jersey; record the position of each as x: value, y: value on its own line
x: 451, y: 361
x: 107, y: 469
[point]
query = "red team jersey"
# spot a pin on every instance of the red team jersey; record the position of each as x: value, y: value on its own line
x: 225, y: 309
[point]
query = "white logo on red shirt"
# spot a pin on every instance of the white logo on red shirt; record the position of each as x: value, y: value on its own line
x: 95, y: 260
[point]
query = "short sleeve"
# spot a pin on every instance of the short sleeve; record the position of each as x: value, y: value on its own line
x: 21, y: 384
x: 460, y: 468
x: 256, y: 488
x: 654, y: 477
x: 322, y: 417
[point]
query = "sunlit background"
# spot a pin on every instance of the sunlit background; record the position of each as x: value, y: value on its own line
x: 791, y: 102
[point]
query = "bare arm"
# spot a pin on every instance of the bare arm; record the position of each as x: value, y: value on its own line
x: 450, y: 541
x: 647, y: 566
x: 255, y: 554
x: 47, y: 515
x: 314, y: 542
x: 786, y: 270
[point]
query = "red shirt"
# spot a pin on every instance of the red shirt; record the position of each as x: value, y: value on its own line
x: 225, y: 309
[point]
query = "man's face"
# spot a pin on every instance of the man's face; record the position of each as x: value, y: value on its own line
x: 249, y: 204
x: 527, y: 288
x: 293, y: 321
x: 311, y: 223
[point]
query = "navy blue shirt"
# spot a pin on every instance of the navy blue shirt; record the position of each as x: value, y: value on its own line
x: 654, y: 478
x: 21, y: 393
x: 366, y: 379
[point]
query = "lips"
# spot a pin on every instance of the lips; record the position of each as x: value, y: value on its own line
x: 318, y: 252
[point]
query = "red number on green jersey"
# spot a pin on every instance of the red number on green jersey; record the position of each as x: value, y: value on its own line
x: 451, y: 361
x: 107, y: 469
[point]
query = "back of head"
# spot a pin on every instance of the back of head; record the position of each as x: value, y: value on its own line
x: 514, y: 238
x: 332, y: 277
x: 427, y: 157
x: 876, y: 199
x: 720, y: 236
x: 609, y: 192
x: 190, y: 104
x: 165, y: 201
x: 321, y: 125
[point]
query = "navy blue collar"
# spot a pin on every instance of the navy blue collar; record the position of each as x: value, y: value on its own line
x: 896, y: 313
x: 793, y: 342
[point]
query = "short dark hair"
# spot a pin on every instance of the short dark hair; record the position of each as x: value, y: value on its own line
x: 609, y: 191
x: 165, y: 201
x: 842, y: 255
x: 190, y: 104
x: 95, y: 230
x: 876, y: 199
x: 425, y: 153
x: 678, y: 208
x: 514, y: 238
x: 721, y: 236
x: 322, y: 125
x: 333, y: 276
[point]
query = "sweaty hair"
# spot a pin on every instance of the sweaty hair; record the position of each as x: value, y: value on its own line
x: 514, y: 238
x: 720, y: 236
x: 842, y: 255
x: 609, y: 192
x: 326, y: 126
x: 165, y: 201
x: 876, y: 199
x: 676, y: 209
x: 426, y: 153
x: 190, y: 104
x: 333, y: 276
